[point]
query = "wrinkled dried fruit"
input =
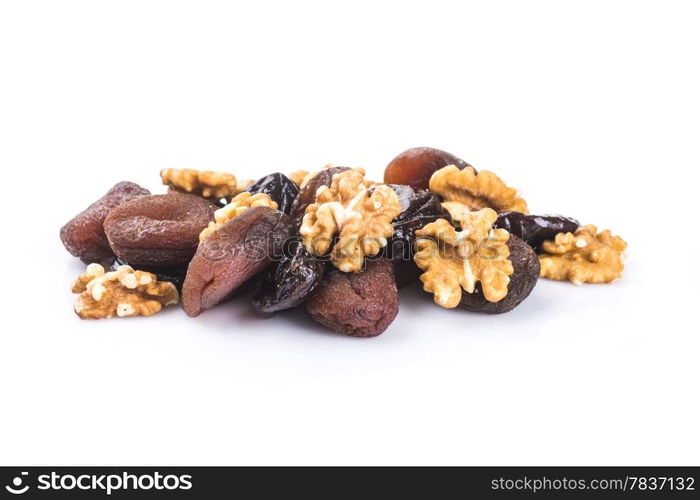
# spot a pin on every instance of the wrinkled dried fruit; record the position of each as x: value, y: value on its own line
x: 359, y: 304
x: 534, y: 229
x: 158, y: 231
x: 228, y: 257
x: 84, y: 235
x: 279, y: 187
x: 419, y: 208
x: 307, y: 194
x: 526, y: 269
x: 174, y: 275
x: 415, y: 166
x: 290, y: 281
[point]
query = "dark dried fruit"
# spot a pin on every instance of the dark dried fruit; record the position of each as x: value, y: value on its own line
x: 415, y: 166
x: 526, y: 269
x: 307, y: 194
x: 175, y: 275
x: 290, y: 281
x: 359, y: 304
x: 158, y: 231
x: 231, y: 255
x: 84, y: 235
x: 534, y: 229
x: 418, y: 209
x: 279, y: 187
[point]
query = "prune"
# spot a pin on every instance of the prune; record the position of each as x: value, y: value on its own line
x: 279, y: 187
x: 158, y: 231
x: 419, y: 208
x: 84, y: 235
x: 415, y: 166
x: 534, y: 229
x: 360, y: 304
x: 289, y: 282
x: 237, y: 251
x: 175, y: 275
x: 526, y: 270
x: 307, y: 194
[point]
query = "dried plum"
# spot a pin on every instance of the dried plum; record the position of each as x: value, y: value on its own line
x: 307, y: 194
x: 158, y: 231
x: 414, y: 166
x: 419, y: 208
x: 535, y: 229
x: 279, y: 187
x: 290, y: 281
x: 237, y: 251
x: 526, y: 270
x: 84, y: 235
x: 360, y: 304
x: 175, y: 275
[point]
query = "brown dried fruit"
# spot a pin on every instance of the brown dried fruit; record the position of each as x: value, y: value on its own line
x: 235, y: 252
x: 160, y: 231
x: 585, y: 256
x: 84, y: 235
x: 359, y: 304
x: 307, y: 193
x: 239, y: 204
x: 475, y: 190
x: 415, y: 166
x: 526, y: 269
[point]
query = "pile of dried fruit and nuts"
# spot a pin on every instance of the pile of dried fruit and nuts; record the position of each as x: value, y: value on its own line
x: 331, y: 240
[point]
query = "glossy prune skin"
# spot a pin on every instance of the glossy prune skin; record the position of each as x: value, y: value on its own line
x: 361, y: 304
x: 176, y: 275
x: 158, y: 231
x: 84, y: 235
x: 290, y: 281
x: 279, y: 187
x: 415, y: 166
x: 535, y: 229
x: 526, y: 270
x: 233, y: 254
x: 419, y: 208
x: 307, y: 194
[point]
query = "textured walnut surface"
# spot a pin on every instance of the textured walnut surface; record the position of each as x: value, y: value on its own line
x: 206, y: 183
x: 239, y: 204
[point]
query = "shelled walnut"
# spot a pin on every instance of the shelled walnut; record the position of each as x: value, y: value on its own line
x: 206, y: 183
x: 122, y: 293
x: 359, y: 217
x: 584, y: 256
x: 239, y: 204
x: 298, y: 176
x: 475, y: 190
x: 456, y: 260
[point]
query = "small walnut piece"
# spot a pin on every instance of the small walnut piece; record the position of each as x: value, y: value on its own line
x: 360, y: 217
x: 298, y: 176
x: 122, y: 293
x: 585, y: 256
x: 475, y: 190
x: 455, y: 260
x: 206, y: 183
x: 239, y: 204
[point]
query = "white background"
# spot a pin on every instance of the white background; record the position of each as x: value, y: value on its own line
x: 591, y: 109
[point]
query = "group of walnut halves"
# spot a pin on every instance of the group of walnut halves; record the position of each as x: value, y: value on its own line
x: 331, y: 240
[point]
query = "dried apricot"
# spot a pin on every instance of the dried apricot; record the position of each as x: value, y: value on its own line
x: 415, y: 166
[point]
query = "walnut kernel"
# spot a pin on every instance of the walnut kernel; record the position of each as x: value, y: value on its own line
x: 239, y: 204
x: 455, y: 260
x: 584, y: 256
x: 122, y: 293
x: 205, y: 183
x: 475, y: 190
x: 360, y: 217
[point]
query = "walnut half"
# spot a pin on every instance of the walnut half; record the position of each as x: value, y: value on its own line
x: 455, y: 260
x: 475, y: 190
x: 206, y: 183
x: 122, y: 293
x: 360, y: 217
x: 585, y: 256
